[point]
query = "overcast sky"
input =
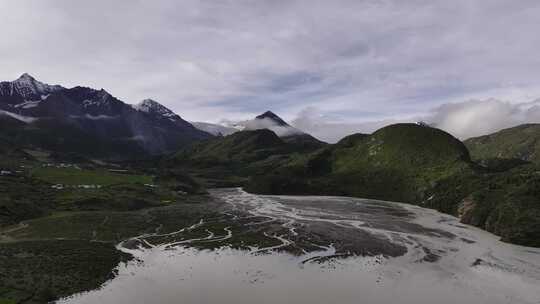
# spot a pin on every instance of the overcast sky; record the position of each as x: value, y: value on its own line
x: 346, y: 65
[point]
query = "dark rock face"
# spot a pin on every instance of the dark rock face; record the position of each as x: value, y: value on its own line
x: 293, y: 135
x: 270, y: 115
x: 98, y: 114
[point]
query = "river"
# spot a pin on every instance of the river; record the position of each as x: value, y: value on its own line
x: 322, y: 250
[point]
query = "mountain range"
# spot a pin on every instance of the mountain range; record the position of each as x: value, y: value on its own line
x: 96, y: 124
x: 89, y: 121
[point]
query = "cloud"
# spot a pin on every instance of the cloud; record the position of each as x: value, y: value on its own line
x: 267, y: 123
x: 312, y: 120
x: 25, y: 119
x: 480, y: 117
x: 462, y: 119
x: 215, y: 129
x: 206, y: 60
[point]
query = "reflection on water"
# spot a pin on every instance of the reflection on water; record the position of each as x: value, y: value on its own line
x: 477, y: 270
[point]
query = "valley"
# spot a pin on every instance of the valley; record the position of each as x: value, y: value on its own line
x: 97, y: 193
x: 321, y: 248
x: 273, y: 152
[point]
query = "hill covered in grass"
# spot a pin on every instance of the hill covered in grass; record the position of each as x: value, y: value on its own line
x: 59, y: 222
x: 233, y: 159
x: 398, y: 163
x: 521, y: 142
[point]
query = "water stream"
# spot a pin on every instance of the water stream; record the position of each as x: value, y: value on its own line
x: 325, y: 250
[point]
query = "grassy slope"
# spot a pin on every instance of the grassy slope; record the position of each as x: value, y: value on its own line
x: 521, y: 142
x: 69, y: 252
x: 66, y: 243
x: 509, y: 205
x: 406, y: 156
x: 23, y: 198
x: 74, y: 176
x: 41, y: 271
x: 230, y: 160
x: 398, y: 163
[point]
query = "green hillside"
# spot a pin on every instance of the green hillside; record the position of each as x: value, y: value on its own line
x: 521, y: 142
x: 59, y: 223
x: 238, y: 147
x: 398, y: 162
x: 231, y: 160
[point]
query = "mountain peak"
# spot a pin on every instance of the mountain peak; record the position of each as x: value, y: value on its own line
x: 272, y: 116
x: 26, y: 76
x: 151, y: 106
x: 29, y: 88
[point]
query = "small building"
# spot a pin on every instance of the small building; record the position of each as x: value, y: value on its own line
x: 5, y: 172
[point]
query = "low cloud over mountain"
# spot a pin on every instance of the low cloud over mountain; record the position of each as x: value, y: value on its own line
x: 480, y: 117
x: 463, y: 119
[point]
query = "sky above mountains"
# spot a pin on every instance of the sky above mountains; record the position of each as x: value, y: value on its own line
x: 330, y: 67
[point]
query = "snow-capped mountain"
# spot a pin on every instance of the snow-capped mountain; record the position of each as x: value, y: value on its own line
x: 157, y: 110
x: 96, y: 113
x: 267, y: 120
x: 26, y: 89
x: 152, y: 106
x: 271, y: 116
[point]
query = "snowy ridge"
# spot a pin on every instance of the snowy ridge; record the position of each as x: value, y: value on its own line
x: 153, y: 107
x: 28, y: 88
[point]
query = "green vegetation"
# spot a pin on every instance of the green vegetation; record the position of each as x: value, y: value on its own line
x: 418, y: 165
x: 403, y: 162
x: 235, y: 148
x: 23, y: 198
x: 114, y: 226
x: 42, y: 271
x: 75, y: 176
x: 521, y: 142
x: 231, y: 160
x: 55, y: 241
x: 399, y: 163
x: 59, y: 240
x: 509, y: 206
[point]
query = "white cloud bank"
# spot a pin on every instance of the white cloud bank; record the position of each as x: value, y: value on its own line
x: 480, y: 117
x: 463, y: 120
x: 312, y: 121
